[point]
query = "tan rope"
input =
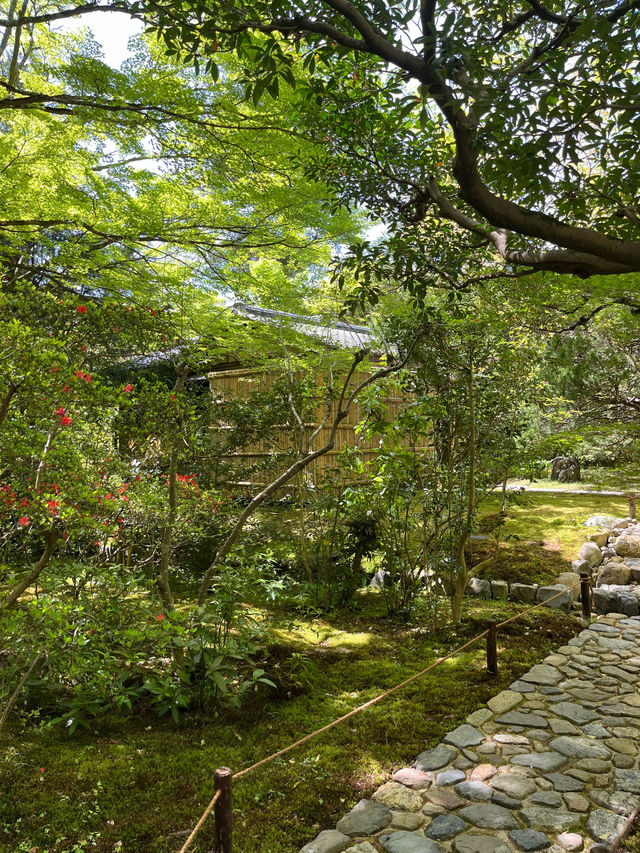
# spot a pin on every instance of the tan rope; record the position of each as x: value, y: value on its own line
x: 197, y: 827
x: 360, y: 708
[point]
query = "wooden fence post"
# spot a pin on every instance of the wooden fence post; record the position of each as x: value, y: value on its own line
x: 632, y: 504
x: 585, y: 595
x: 492, y: 648
x: 223, y: 810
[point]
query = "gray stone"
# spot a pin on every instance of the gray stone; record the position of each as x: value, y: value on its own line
x: 551, y: 820
x: 627, y: 544
x: 450, y: 777
x: 412, y: 778
x: 604, y: 826
x: 499, y: 589
x: 406, y: 820
x: 628, y: 780
x: 545, y: 761
x: 522, y: 687
x: 591, y: 553
x: 327, y: 841
x: 562, y: 727
x: 542, y: 673
x: 479, y: 717
x: 604, y: 601
x: 489, y: 816
x: 474, y: 790
x: 472, y: 843
x: 620, y: 802
x: 547, y: 798
x: 524, y: 592
x: 576, y: 713
x: 529, y: 839
x: 628, y: 604
x: 600, y: 537
x: 593, y: 765
x: 397, y: 796
x: 520, y: 718
x: 606, y: 521
x: 365, y: 818
x: 616, y: 573
x: 434, y: 759
x: 445, y: 826
x: 506, y: 802
x: 596, y: 730
x: 562, y: 782
x: 580, y: 747
x: 464, y: 736
x: 478, y: 587
x: 572, y: 581
x: 513, y: 785
x: 409, y: 842
x: 556, y: 596
x: 581, y: 566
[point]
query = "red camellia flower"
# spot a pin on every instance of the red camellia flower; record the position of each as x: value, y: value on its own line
x: 65, y: 421
x: 160, y: 617
x: 79, y: 374
x: 53, y: 506
x: 81, y: 309
x: 23, y: 521
x: 60, y: 411
x: 127, y: 389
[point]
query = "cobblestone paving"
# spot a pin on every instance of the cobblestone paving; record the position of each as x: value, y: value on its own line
x: 550, y: 764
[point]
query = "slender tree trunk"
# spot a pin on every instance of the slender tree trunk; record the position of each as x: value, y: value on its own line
x: 460, y: 579
x: 167, y: 535
x: 11, y: 701
x: 304, y: 551
x: 25, y: 583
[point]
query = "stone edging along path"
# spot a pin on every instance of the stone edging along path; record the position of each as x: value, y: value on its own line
x: 551, y: 764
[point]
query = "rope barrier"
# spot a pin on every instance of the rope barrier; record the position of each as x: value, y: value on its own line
x: 363, y: 707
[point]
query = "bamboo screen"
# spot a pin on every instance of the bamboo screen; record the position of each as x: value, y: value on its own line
x: 240, y: 382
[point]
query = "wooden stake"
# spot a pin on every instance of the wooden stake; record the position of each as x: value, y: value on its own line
x: 492, y: 648
x: 223, y: 810
x: 585, y: 595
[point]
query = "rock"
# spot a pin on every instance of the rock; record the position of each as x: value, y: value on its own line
x: 616, y: 573
x: 529, y: 839
x: 604, y: 826
x: 580, y: 747
x: 604, y: 601
x: 504, y: 701
x: 479, y: 717
x: 620, y: 802
x: 444, y: 798
x: 562, y: 782
x: 551, y: 820
x: 489, y: 816
x: 412, y: 778
x: 628, y: 543
x: 606, y: 521
x: 524, y: 592
x: 542, y: 673
x: 547, y: 798
x: 464, y: 736
x: 397, y: 796
x: 365, y: 818
x: 445, y: 826
x: 506, y: 802
x: 327, y: 841
x: 513, y: 785
x: 634, y: 566
x: 363, y: 847
x: 406, y: 820
x: 574, y: 712
x: 628, y: 780
x: 545, y: 761
x: 434, y: 759
x: 591, y: 553
x: 474, y: 790
x: 572, y: 580
x: 381, y: 579
x: 628, y: 604
x: 570, y: 841
x: 576, y: 802
x: 600, y: 537
x: 521, y: 718
x: 499, y: 589
x: 556, y: 596
x: 565, y: 469
x: 450, y: 777
x: 471, y: 843
x: 409, y: 842
x: 522, y: 687
x: 478, y: 587
x: 482, y: 772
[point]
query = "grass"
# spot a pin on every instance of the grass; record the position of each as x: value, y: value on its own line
x: 138, y: 784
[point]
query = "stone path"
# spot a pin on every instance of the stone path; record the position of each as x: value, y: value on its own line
x: 551, y: 764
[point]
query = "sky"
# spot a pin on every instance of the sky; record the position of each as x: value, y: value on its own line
x: 112, y: 29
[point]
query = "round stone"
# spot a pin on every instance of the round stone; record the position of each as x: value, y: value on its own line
x: 445, y: 826
x: 529, y: 839
x: 570, y: 841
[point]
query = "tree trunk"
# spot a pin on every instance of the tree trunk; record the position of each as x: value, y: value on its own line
x: 460, y: 579
x: 167, y: 535
x: 25, y: 583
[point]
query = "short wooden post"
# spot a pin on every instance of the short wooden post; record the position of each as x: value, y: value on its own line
x: 492, y: 648
x: 632, y: 505
x: 585, y: 595
x: 223, y: 810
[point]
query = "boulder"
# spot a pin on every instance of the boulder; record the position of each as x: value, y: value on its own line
x: 380, y: 579
x: 499, y: 589
x: 628, y: 543
x: 570, y: 579
x: 558, y: 602
x: 616, y: 573
x: 605, y: 601
x: 579, y: 566
x: 634, y: 567
x: 524, y: 592
x: 606, y: 521
x: 591, y: 553
x: 600, y: 537
x: 628, y: 604
x: 479, y: 588
x: 565, y: 469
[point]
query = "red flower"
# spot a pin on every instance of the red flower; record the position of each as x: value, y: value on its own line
x: 127, y: 389
x: 60, y: 411
x: 65, y: 421
x: 53, y: 506
x: 79, y: 374
x: 83, y: 348
x: 173, y: 396
x: 87, y: 377
x: 23, y: 521
x: 24, y: 502
x: 138, y: 477
x: 42, y: 769
x: 160, y: 617
x: 81, y: 309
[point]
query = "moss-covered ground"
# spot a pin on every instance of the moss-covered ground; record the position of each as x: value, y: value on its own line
x: 135, y: 785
